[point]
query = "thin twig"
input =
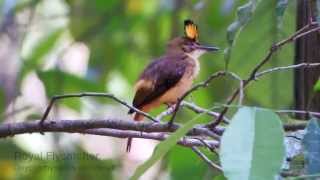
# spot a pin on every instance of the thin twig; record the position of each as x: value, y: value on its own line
x: 91, y: 94
x: 188, y: 142
x: 241, y: 95
x: 205, y: 84
x: 194, y: 88
x: 211, y: 148
x: 299, y: 112
x: 206, y: 159
x: 305, y: 33
x: 300, y: 33
x: 198, y: 109
x: 296, y: 66
x: 165, y: 113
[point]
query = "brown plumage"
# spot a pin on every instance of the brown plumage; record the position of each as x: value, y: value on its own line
x: 167, y: 78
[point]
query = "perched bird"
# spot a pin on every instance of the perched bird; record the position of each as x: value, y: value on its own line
x: 167, y: 78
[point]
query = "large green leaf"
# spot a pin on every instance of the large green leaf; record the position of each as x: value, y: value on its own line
x: 163, y: 147
x: 244, y: 14
x: 57, y: 82
x: 34, y: 60
x: 181, y: 168
x: 311, y: 143
x: 252, y: 147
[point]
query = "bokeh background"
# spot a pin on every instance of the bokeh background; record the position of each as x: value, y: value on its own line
x: 50, y: 47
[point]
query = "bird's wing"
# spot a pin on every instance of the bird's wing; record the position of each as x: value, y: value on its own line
x: 158, y: 77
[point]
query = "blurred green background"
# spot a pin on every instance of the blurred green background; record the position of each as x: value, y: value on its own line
x: 50, y: 47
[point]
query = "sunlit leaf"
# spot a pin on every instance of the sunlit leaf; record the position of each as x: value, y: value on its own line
x: 311, y: 143
x: 252, y: 147
x: 163, y: 147
x: 244, y: 15
x: 58, y: 82
x: 32, y: 61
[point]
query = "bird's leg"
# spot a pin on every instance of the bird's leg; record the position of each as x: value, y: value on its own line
x: 174, y: 113
x: 171, y: 107
x: 170, y: 110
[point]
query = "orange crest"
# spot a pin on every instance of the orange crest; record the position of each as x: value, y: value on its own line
x: 191, y: 30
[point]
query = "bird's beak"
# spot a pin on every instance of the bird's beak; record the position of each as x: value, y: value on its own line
x: 207, y: 48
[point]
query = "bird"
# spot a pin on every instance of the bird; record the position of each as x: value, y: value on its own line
x: 168, y: 77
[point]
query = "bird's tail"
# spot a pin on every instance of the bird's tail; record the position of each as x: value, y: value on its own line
x: 137, y: 117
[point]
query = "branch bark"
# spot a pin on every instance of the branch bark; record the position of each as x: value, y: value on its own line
x: 69, y: 126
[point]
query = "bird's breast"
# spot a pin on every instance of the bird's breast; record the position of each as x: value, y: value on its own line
x: 194, y: 66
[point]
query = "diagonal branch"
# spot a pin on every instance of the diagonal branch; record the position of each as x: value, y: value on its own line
x: 299, y: 34
x: 206, y: 159
x: 296, y: 66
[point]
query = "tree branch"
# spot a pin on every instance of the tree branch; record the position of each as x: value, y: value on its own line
x: 188, y: 142
x: 90, y: 94
x: 309, y: 28
x: 206, y: 159
x: 296, y: 66
x: 69, y: 126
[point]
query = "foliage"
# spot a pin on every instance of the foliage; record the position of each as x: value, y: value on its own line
x: 311, y: 142
x: 36, y: 58
x: 255, y: 140
x: 122, y: 37
x: 244, y: 14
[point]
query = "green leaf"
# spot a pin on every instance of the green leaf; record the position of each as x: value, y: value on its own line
x: 40, y: 51
x: 163, y: 147
x: 280, y: 9
x: 181, y: 168
x: 317, y: 86
x: 244, y: 15
x: 252, y: 147
x: 311, y: 143
x: 231, y: 31
x: 57, y: 82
